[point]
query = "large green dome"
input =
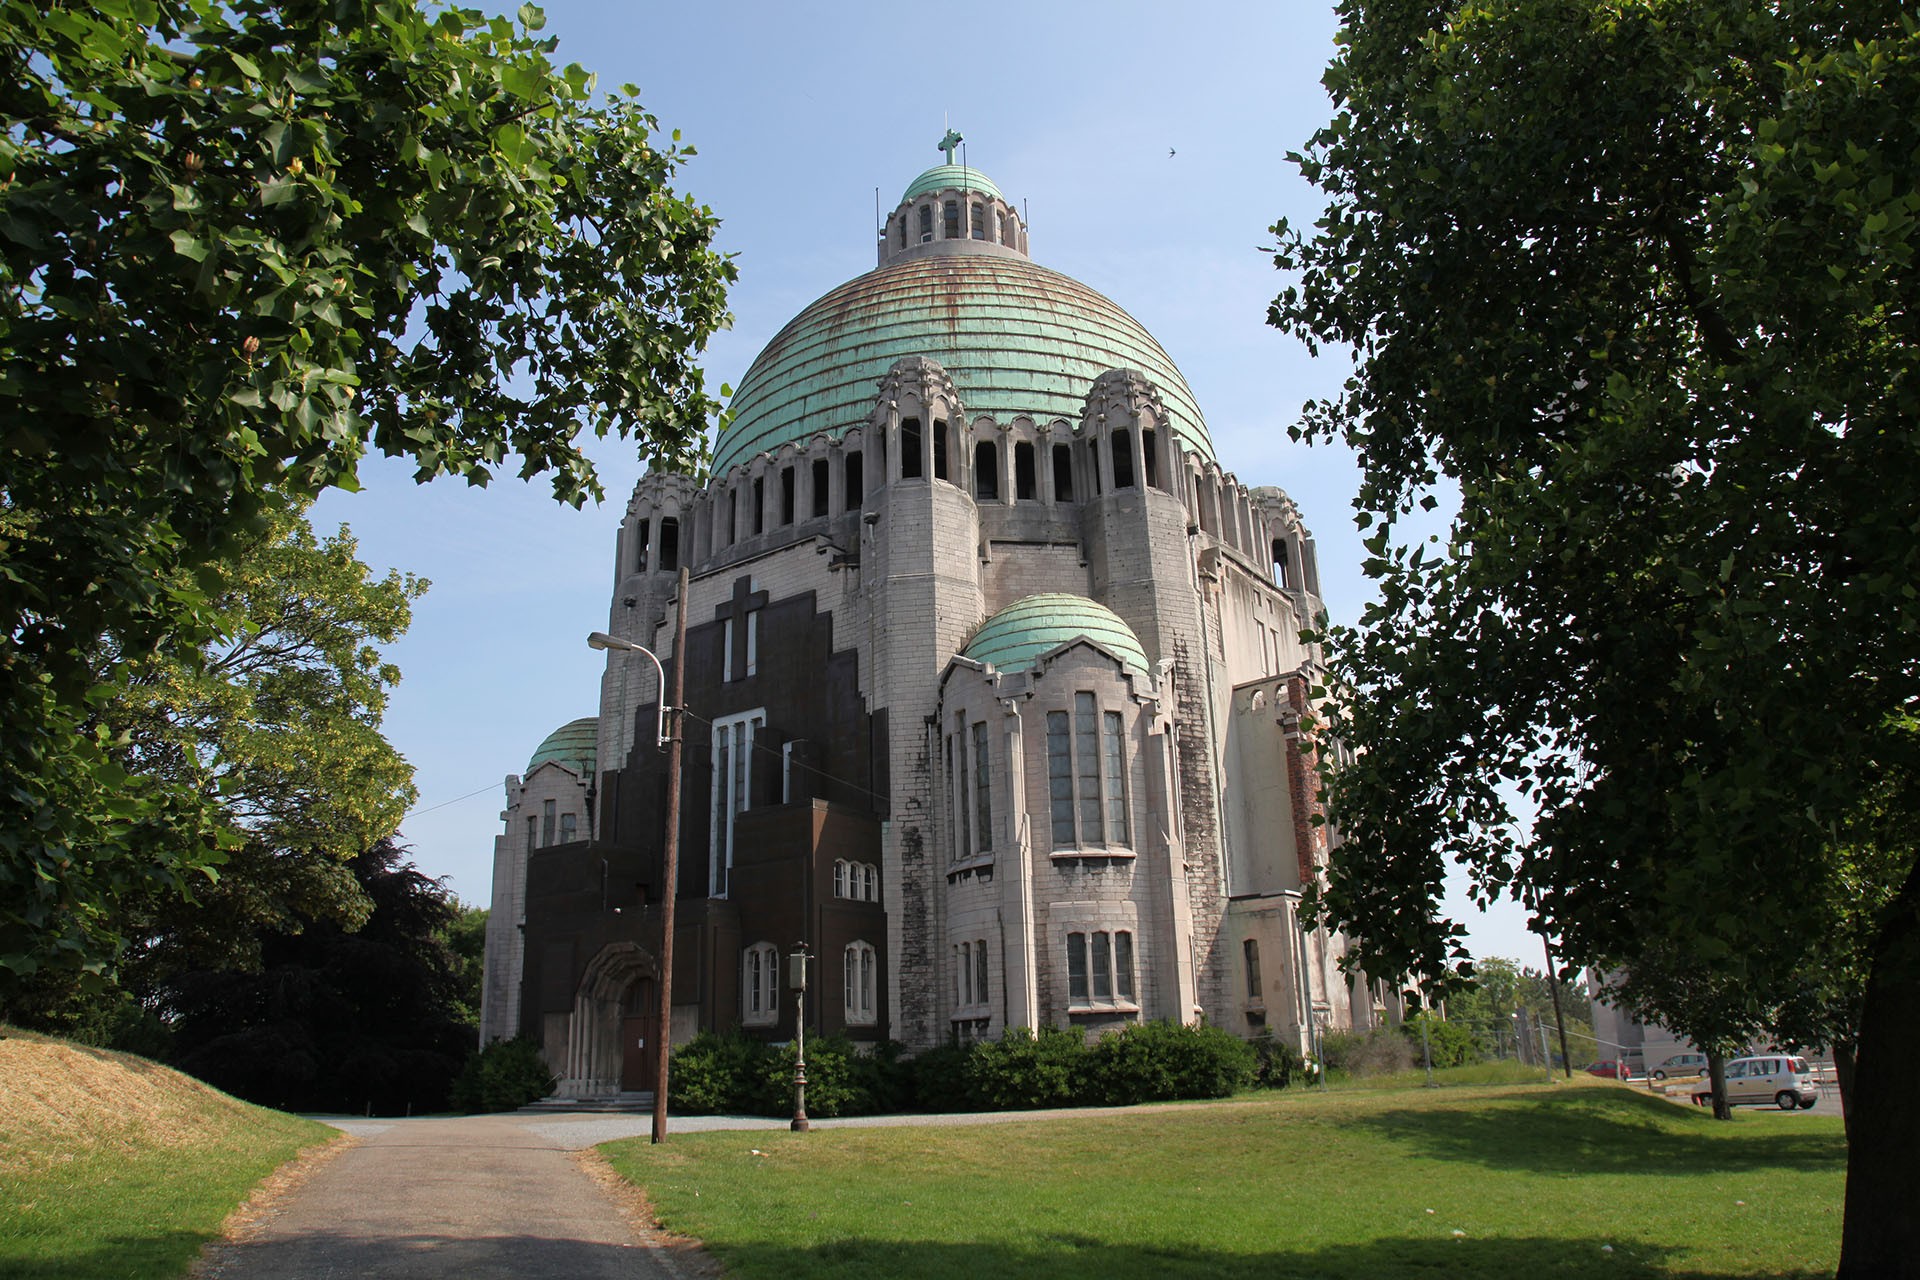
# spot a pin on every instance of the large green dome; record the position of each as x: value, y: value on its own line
x: 1015, y: 338
x: 573, y: 746
x: 1012, y: 638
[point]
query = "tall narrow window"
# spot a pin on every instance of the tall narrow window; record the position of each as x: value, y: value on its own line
x: 1023, y: 473
x: 964, y: 847
x: 910, y: 466
x: 981, y: 993
x: 858, y: 965
x: 726, y: 649
x: 732, y: 760
x: 939, y: 449
x: 819, y: 486
x: 533, y: 833
x: 902, y: 240
x: 986, y: 471
x: 569, y: 826
x: 669, y: 543
x: 1113, y: 777
x: 1123, y: 460
x: 1093, y: 466
x: 1250, y: 953
x: 1102, y: 965
x: 548, y: 813
x: 1123, y: 965
x: 982, y: 789
x: 1087, y: 751
x: 962, y: 974
x: 760, y: 985
x: 733, y: 516
x: 1062, y: 473
x: 753, y: 642
x: 856, y: 481
x: 640, y: 531
x: 759, y: 504
x: 1282, y: 570
x: 950, y: 220
x: 1060, y: 779
x: 926, y: 223
x: 1150, y: 458
x: 786, y: 495
x: 1077, y: 968
x: 1000, y: 225
x: 977, y: 222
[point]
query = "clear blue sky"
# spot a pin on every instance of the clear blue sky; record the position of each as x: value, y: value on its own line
x: 1148, y: 142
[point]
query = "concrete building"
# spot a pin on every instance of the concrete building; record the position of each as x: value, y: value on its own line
x: 993, y: 685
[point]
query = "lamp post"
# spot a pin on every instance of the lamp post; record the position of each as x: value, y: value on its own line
x: 797, y: 979
x: 670, y: 890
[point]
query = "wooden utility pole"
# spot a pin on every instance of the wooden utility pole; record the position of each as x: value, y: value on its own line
x: 671, y: 889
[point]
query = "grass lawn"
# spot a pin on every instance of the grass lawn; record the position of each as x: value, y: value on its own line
x: 114, y: 1167
x: 1508, y: 1181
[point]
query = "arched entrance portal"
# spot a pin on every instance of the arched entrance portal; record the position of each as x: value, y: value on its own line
x: 615, y: 1019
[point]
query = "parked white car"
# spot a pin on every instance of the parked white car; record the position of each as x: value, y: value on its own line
x: 1785, y: 1081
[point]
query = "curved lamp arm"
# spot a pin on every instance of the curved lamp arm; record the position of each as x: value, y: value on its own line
x: 601, y: 640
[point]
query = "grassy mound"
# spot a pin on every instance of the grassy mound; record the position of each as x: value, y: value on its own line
x: 115, y: 1166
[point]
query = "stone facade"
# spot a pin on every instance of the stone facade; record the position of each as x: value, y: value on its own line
x: 977, y: 818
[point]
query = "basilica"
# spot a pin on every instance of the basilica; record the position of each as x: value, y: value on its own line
x: 994, y: 680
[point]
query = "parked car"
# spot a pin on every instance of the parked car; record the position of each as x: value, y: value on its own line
x: 1612, y: 1069
x: 1782, y: 1079
x: 1682, y: 1064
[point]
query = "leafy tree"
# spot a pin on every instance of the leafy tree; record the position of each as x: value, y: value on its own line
x: 466, y: 938
x: 336, y: 1019
x: 238, y: 244
x: 1634, y: 280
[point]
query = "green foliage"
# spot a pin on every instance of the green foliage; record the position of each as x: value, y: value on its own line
x: 837, y: 1085
x: 239, y: 245
x: 938, y: 1078
x: 718, y: 1074
x: 504, y: 1076
x: 1379, y: 1052
x: 367, y: 1020
x: 465, y: 939
x: 1162, y: 1061
x: 1278, y: 1063
x: 1446, y: 1044
x: 1026, y: 1069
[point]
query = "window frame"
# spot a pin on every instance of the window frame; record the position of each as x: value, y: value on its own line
x: 732, y: 782
x: 1100, y: 971
x: 760, y: 985
x: 858, y: 964
x: 1089, y: 799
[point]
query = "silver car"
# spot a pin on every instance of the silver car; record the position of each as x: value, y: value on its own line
x: 1782, y: 1079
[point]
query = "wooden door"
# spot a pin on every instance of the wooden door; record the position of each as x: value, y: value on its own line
x: 639, y: 1027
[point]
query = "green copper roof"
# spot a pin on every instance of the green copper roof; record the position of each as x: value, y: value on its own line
x: 1014, y: 337
x: 943, y: 176
x: 1012, y: 638
x: 571, y: 745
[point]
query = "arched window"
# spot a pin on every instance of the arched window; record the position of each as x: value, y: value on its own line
x: 760, y: 985
x: 857, y: 973
x: 986, y: 471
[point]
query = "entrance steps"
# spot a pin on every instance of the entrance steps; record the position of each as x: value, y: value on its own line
x: 625, y: 1102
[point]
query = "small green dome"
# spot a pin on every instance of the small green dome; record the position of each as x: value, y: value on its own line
x: 943, y: 177
x: 1012, y: 638
x: 572, y: 746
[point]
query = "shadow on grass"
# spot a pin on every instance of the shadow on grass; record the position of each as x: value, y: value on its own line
x: 1608, y: 1131
x: 156, y: 1253
x: 1066, y: 1257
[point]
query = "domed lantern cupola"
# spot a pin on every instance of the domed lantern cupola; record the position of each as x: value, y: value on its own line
x: 950, y: 209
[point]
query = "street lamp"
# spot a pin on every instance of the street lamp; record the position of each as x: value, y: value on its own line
x: 670, y: 890
x: 797, y: 979
x: 601, y: 640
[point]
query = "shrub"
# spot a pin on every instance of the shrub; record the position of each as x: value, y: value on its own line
x: 1277, y: 1063
x: 937, y: 1079
x: 1451, y: 1044
x: 719, y: 1074
x: 504, y: 1076
x: 1024, y: 1070
x: 1162, y: 1061
x: 1366, y: 1053
x: 837, y: 1079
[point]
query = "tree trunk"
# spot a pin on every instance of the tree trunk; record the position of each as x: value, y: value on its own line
x: 1844, y: 1066
x: 1717, y: 1080
x: 1881, y: 1237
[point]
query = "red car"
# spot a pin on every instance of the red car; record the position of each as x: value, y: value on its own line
x: 1612, y: 1069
